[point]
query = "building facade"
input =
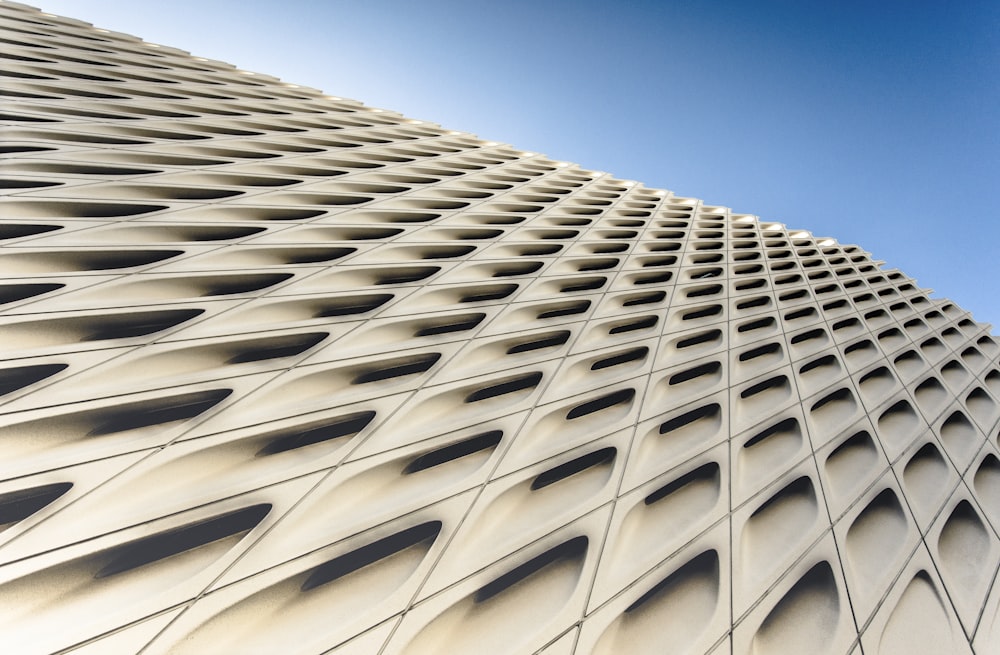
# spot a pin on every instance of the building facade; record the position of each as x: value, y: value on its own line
x: 285, y: 373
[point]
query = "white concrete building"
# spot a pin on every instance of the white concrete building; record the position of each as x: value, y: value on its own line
x: 283, y: 373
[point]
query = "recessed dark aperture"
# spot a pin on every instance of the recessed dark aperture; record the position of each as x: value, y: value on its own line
x: 708, y: 411
x: 371, y: 553
x: 158, y: 547
x: 137, y: 324
x: 317, y: 432
x: 18, y: 230
x: 539, y: 342
x: 155, y: 411
x: 607, y: 401
x: 100, y: 260
x: 573, y: 467
x: 277, y: 347
x: 225, y: 285
x: 349, y: 305
x: 704, y: 472
x: 449, y: 324
x: 14, y: 292
x: 511, y: 385
x: 565, y: 309
x: 478, y: 443
x: 573, y: 549
x: 487, y: 292
x: 624, y: 357
x: 405, y: 274
x: 640, y: 323
x: 19, y: 377
x: 708, y: 368
x: 19, y: 504
x: 395, y: 368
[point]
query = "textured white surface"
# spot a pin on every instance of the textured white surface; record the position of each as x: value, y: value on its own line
x: 284, y: 373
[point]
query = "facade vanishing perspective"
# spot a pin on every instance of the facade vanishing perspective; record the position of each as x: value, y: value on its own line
x: 283, y: 373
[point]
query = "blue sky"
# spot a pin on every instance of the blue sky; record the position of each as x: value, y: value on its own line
x: 875, y: 123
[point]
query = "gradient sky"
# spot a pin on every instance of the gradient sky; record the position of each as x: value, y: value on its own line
x: 872, y: 122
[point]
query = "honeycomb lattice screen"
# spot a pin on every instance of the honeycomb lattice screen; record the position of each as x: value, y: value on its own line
x: 285, y: 373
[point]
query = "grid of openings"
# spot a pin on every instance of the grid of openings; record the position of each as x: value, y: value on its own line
x: 285, y: 373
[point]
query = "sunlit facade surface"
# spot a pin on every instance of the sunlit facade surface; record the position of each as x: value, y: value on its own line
x: 283, y: 373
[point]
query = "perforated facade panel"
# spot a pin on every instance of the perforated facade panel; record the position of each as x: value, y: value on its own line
x: 285, y: 373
